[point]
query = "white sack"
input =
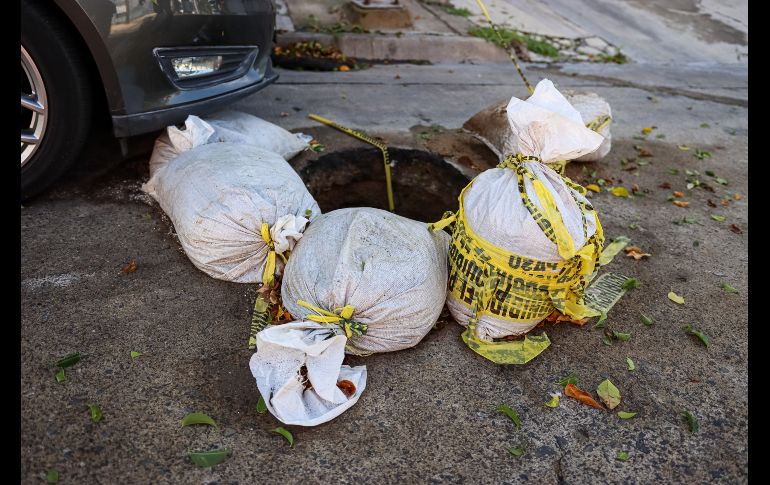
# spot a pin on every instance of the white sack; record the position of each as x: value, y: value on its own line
x: 549, y: 128
x: 229, y: 127
x: 491, y: 125
x: 391, y: 269
x: 218, y: 195
x: 281, y: 352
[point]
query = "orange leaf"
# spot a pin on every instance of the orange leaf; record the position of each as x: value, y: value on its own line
x: 681, y: 203
x: 347, y: 387
x: 344, y: 68
x: 130, y: 267
x: 737, y: 196
x: 572, y: 391
x: 725, y: 202
x: 637, y: 255
x: 678, y: 194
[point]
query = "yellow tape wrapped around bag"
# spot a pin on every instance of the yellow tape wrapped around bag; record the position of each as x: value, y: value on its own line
x: 490, y: 280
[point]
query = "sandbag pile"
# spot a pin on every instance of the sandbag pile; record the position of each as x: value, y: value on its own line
x: 491, y: 125
x: 368, y: 281
x: 525, y: 240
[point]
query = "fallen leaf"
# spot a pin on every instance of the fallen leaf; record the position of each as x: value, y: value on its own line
x: 517, y: 451
x: 645, y: 319
x: 130, y: 267
x: 625, y: 415
x: 665, y: 185
x: 96, y: 413
x: 600, y: 323
x: 571, y: 391
x: 284, y: 114
x: 134, y: 354
x: 347, y: 387
x: 734, y: 228
x: 623, y: 337
x: 52, y: 476
x: 691, y: 421
x: 630, y: 284
x: 675, y: 298
x: 554, y: 402
x: 635, y: 188
x: 608, y: 393
x: 60, y: 376
x: 344, y: 68
x: 644, y: 153
x: 646, y: 130
x: 622, y: 456
x: 593, y: 188
x: 285, y: 433
x: 261, y: 405
x: 702, y: 336
x: 684, y: 148
x: 737, y: 196
x: 705, y: 125
x: 631, y: 365
x: 718, y: 218
x: 728, y: 288
x: 606, y: 340
x: 511, y: 414
x: 397, y: 76
x: 701, y: 154
x: 678, y: 194
x: 636, y: 253
x: 681, y: 203
x: 724, y: 202
x: 69, y: 360
x: 710, y: 203
x: 570, y: 379
x: 198, y: 418
x: 205, y: 459
x: 619, y: 192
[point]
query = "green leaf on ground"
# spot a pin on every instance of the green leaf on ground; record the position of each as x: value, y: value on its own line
x: 554, y: 402
x: 69, y: 360
x: 705, y: 125
x: 261, y: 405
x: 701, y: 154
x: 625, y: 415
x: 511, y: 414
x: 601, y: 322
x: 96, y: 413
x: 52, y: 476
x: 620, y: 192
x: 691, y: 421
x: 205, y: 459
x: 622, y: 336
x: 702, y: 336
x: 630, y: 284
x: 631, y: 365
x: 198, y: 418
x: 135, y: 354
x: 606, y: 340
x: 285, y: 433
x: 728, y: 288
x: 517, y: 451
x: 720, y: 180
x: 717, y: 217
x: 710, y: 173
x: 60, y: 377
x: 570, y: 379
x: 675, y: 298
x: 622, y: 456
x: 608, y: 393
x: 645, y: 319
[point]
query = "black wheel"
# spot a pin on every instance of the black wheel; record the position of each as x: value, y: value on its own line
x: 55, y: 101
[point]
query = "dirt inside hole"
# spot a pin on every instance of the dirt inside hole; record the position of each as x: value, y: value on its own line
x: 424, y: 184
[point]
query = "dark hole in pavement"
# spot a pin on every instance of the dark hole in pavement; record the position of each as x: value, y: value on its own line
x: 424, y: 184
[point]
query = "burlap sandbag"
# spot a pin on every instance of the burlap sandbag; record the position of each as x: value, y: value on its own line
x: 491, y: 126
x: 236, y: 208
x: 522, y: 225
x: 383, y: 275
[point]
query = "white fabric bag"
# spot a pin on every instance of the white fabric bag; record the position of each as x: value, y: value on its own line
x: 219, y: 195
x: 228, y: 127
x: 491, y: 125
x: 548, y: 127
x: 282, y: 351
x: 389, y: 271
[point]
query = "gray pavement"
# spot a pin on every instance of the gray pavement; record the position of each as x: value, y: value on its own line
x: 428, y: 413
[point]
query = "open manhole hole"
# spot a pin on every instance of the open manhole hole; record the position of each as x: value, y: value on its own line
x: 424, y: 184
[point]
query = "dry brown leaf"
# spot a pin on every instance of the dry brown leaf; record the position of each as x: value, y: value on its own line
x: 665, y: 185
x: 681, y: 203
x: 130, y: 267
x: 735, y: 229
x: 347, y: 387
x: 556, y: 316
x: 710, y: 203
x: 678, y: 194
x: 572, y: 391
x: 737, y: 196
x: 636, y: 253
x: 634, y: 188
x: 644, y: 153
x: 725, y: 202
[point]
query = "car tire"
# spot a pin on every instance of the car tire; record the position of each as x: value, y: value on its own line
x: 53, y: 59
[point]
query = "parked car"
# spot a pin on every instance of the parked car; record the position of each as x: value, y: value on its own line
x: 150, y: 62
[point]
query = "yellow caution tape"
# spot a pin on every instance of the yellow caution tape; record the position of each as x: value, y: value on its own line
x: 363, y: 137
x: 493, y: 281
x: 510, y: 352
x: 260, y: 320
x: 341, y: 316
x: 268, y: 275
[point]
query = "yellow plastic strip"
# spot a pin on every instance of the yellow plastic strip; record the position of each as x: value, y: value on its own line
x: 361, y: 136
x: 268, y: 276
x: 510, y: 352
